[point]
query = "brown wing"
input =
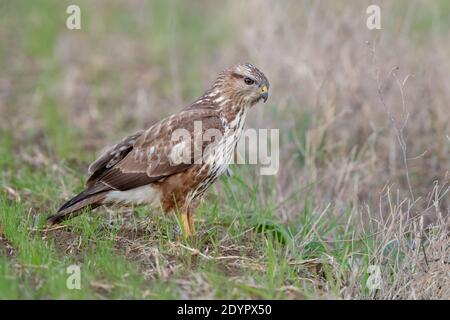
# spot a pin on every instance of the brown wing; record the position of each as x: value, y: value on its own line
x: 111, y: 157
x: 129, y: 165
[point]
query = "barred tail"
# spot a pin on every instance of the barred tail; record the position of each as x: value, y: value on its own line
x: 72, y: 208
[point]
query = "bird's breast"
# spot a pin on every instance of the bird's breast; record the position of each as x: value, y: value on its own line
x: 222, y: 153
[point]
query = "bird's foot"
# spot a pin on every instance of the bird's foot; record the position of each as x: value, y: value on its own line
x: 187, y: 223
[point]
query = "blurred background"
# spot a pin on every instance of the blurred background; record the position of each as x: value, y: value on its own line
x: 336, y: 92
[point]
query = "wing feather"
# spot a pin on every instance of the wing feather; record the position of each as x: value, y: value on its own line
x: 110, y: 157
x: 146, y: 156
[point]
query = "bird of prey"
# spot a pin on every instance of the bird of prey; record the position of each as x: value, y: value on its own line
x: 167, y: 165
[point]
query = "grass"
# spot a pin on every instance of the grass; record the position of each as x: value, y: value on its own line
x: 339, y: 205
x: 243, y: 254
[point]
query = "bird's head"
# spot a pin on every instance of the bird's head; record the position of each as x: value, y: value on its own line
x: 243, y: 83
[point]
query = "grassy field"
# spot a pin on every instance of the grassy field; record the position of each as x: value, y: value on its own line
x: 363, y: 189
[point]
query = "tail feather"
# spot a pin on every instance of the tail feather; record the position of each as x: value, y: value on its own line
x: 88, y: 198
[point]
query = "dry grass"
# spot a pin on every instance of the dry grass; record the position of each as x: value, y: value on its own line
x: 376, y: 142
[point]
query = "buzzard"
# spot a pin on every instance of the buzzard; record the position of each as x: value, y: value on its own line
x: 167, y: 165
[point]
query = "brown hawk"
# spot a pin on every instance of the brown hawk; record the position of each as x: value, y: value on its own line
x: 158, y: 168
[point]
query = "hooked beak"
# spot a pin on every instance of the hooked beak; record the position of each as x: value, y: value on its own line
x: 264, y: 92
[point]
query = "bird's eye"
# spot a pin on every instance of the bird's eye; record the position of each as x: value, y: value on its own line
x: 249, y: 81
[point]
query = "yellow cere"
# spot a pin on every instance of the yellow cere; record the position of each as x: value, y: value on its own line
x: 264, y: 88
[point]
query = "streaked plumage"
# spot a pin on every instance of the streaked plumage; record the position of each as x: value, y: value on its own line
x: 141, y: 169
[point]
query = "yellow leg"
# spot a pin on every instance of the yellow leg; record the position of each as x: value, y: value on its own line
x: 190, y: 216
x: 187, y: 231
